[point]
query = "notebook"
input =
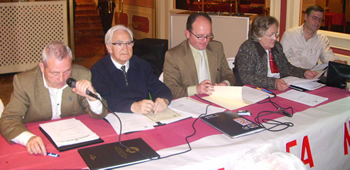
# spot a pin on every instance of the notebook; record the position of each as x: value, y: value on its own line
x: 231, y: 124
x: 114, y: 155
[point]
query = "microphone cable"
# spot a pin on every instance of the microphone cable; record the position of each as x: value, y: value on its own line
x: 167, y: 156
x: 194, y: 131
x: 72, y: 83
x: 280, y: 110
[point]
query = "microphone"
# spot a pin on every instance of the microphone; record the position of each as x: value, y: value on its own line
x: 71, y: 83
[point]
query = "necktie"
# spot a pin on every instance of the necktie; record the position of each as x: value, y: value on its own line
x: 126, y: 79
x: 273, y: 66
x: 203, y: 71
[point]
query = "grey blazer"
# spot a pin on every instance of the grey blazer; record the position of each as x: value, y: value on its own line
x: 251, y: 65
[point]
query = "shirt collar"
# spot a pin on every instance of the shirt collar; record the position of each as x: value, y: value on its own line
x: 194, y: 49
x: 47, y: 86
x: 302, y: 31
x: 116, y: 64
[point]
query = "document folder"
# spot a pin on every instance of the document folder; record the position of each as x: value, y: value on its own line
x: 73, y: 146
x: 69, y: 134
x: 113, y: 155
x: 231, y: 124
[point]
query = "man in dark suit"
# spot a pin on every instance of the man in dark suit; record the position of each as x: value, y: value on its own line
x: 198, y: 63
x: 42, y: 94
x: 126, y: 81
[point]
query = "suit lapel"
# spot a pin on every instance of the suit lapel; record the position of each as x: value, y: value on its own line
x: 190, y: 64
x: 212, y: 63
x: 42, y: 95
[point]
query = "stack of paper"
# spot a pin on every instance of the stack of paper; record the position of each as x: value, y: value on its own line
x: 68, y: 132
x: 234, y: 97
x: 307, y: 84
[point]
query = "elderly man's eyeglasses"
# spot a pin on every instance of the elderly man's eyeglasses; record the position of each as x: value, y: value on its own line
x: 120, y: 44
x: 273, y: 35
x: 202, y: 37
x: 317, y: 18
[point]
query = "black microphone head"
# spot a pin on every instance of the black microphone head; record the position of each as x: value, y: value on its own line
x: 71, y: 82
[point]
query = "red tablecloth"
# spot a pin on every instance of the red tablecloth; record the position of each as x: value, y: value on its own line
x: 14, y: 156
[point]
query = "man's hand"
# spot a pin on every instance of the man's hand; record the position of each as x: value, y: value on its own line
x: 281, y: 85
x: 144, y: 106
x: 341, y: 61
x: 36, y: 145
x: 310, y: 74
x: 205, y: 87
x: 160, y: 105
x: 222, y: 84
x: 80, y: 88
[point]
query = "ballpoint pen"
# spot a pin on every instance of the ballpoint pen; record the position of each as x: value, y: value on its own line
x: 264, y: 90
x: 267, y: 91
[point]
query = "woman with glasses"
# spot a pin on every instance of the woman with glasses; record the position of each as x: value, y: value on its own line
x: 260, y: 60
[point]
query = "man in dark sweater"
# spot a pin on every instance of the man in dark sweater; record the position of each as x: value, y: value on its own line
x: 126, y: 81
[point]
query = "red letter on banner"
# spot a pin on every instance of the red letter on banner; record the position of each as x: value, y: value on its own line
x: 291, y: 144
x: 306, y: 146
x: 346, y: 139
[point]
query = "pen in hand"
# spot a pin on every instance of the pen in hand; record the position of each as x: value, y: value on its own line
x: 150, y: 97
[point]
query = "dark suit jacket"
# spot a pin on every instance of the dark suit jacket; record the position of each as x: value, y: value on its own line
x: 30, y: 102
x: 180, y: 69
x: 109, y: 81
x: 251, y: 64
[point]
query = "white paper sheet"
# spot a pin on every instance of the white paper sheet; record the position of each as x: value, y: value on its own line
x: 1, y: 108
x: 302, y: 97
x: 166, y: 116
x: 191, y: 107
x: 229, y: 97
x: 319, y: 67
x: 234, y: 97
x: 252, y: 95
x: 290, y: 80
x: 130, y: 122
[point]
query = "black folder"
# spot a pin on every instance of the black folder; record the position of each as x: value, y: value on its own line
x: 231, y: 124
x: 114, y: 155
x: 73, y: 146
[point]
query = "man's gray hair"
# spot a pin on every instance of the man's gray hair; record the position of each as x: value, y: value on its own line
x: 110, y: 33
x: 56, y: 49
x: 268, y: 157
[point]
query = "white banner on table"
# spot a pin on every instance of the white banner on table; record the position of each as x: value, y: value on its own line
x: 317, y: 138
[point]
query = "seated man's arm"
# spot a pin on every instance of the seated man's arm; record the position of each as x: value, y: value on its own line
x: 172, y: 76
x: 91, y: 105
x: 96, y: 105
x: 327, y: 54
x: 34, y: 144
x: 11, y: 122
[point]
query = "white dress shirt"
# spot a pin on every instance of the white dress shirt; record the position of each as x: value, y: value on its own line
x: 305, y: 54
